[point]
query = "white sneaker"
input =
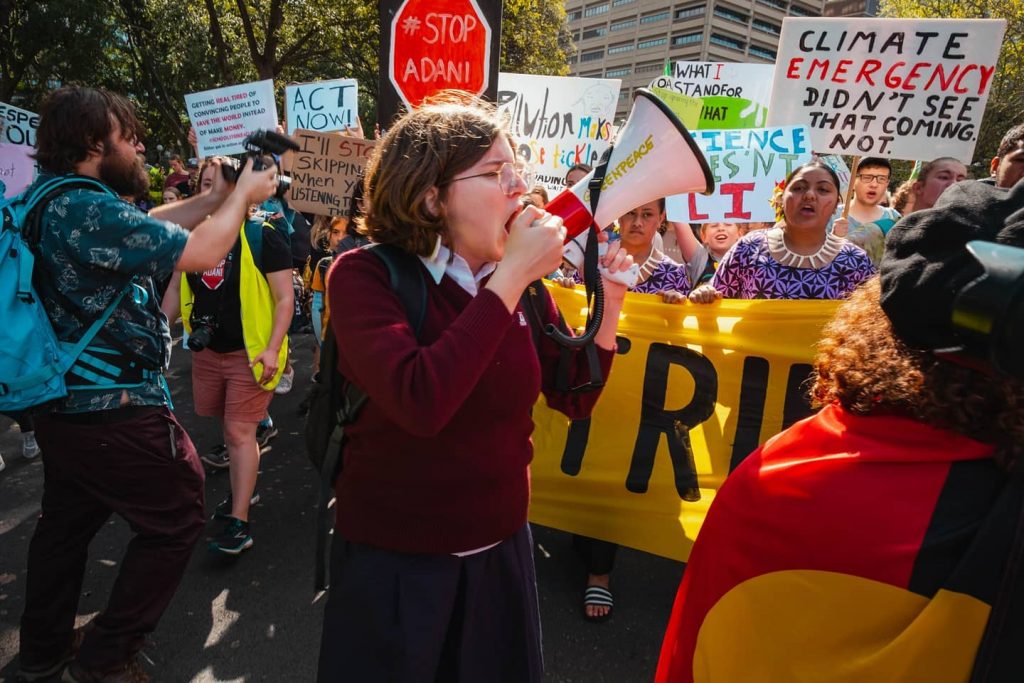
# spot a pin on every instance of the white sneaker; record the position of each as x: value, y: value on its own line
x: 29, y: 445
x: 2, y: 463
x: 285, y: 385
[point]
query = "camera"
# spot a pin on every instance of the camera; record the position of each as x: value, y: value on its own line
x: 257, y: 146
x: 203, y: 329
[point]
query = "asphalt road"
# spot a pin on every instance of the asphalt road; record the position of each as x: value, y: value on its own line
x: 254, y: 618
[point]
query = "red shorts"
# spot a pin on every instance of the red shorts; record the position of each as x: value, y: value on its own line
x: 223, y: 386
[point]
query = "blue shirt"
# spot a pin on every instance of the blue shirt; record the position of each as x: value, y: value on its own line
x: 91, y: 246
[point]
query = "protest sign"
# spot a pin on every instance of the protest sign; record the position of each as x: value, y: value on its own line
x: 732, y: 95
x: 431, y: 45
x: 224, y: 117
x: 692, y: 393
x: 688, y: 109
x: 558, y: 122
x: 900, y: 88
x: 746, y: 164
x: 17, y: 168
x: 325, y: 171
x: 324, y: 105
x: 837, y: 164
x: 17, y: 126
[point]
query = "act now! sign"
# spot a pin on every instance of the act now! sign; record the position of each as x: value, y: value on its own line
x: 324, y: 105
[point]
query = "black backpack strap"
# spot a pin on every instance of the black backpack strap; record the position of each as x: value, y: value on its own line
x: 405, y: 275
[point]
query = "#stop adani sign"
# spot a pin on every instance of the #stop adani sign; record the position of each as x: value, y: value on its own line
x: 433, y: 45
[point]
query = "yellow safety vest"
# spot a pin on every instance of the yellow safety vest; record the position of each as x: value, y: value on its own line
x: 257, y: 312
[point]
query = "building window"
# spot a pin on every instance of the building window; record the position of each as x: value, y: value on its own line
x: 763, y: 53
x: 594, y: 10
x: 620, y: 48
x: 687, y: 39
x: 595, y: 32
x: 619, y: 3
x: 730, y: 15
x: 798, y: 11
x: 575, y: 35
x: 726, y: 41
x: 777, y: 4
x: 573, y: 59
x: 625, y: 23
x: 624, y: 95
x: 687, y: 12
x: 651, y: 42
x: 574, y: 15
x: 649, y: 68
x: 615, y: 73
x: 767, y: 27
x: 592, y: 56
x: 654, y: 18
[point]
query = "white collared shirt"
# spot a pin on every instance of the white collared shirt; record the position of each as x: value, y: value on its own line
x: 458, y: 269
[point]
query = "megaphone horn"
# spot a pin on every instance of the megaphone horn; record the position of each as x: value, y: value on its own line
x: 652, y: 156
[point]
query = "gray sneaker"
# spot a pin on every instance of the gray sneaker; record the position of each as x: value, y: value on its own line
x: 29, y: 445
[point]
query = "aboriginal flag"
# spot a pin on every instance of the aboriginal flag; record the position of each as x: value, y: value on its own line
x: 848, y: 548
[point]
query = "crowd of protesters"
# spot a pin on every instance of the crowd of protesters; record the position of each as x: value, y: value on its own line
x: 433, y: 500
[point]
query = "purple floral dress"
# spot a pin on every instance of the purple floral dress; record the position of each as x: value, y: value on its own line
x: 668, y: 276
x: 749, y: 271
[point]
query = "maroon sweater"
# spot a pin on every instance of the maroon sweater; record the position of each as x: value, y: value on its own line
x: 438, y: 461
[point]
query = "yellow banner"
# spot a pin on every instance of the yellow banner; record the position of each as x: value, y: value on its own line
x: 693, y: 390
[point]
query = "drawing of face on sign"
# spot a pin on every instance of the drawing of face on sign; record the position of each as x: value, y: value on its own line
x: 598, y: 100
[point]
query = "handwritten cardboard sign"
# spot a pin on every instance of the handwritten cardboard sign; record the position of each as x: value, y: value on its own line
x: 325, y: 171
x: 17, y: 168
x: 732, y: 95
x: 224, y: 117
x: 17, y: 126
x: 747, y: 164
x: 900, y: 88
x: 324, y: 105
x: 558, y: 122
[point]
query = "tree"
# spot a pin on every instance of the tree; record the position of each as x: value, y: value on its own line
x: 535, y: 38
x: 1006, y: 99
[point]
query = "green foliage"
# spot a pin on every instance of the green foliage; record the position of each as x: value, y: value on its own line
x: 535, y: 38
x: 157, y: 51
x: 1006, y: 100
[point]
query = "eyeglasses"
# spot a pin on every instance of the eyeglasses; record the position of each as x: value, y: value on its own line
x: 872, y: 177
x: 507, y: 175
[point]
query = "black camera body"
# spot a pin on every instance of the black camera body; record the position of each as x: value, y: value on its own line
x: 203, y: 329
x: 257, y: 146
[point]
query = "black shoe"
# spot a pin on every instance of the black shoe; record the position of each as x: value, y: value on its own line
x: 217, y: 457
x: 223, y: 509
x: 234, y: 540
x: 265, y: 434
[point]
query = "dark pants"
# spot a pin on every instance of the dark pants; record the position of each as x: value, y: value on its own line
x: 399, y: 617
x: 597, y: 555
x: 139, y: 463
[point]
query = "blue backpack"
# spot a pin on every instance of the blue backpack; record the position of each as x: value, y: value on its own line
x: 33, y: 361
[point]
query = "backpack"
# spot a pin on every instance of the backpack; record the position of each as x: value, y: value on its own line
x: 335, y: 402
x: 33, y: 361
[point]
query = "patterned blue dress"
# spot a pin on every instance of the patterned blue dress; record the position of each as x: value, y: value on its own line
x: 749, y: 271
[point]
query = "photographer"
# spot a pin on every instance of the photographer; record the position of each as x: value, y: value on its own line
x: 114, y: 447
x: 237, y: 316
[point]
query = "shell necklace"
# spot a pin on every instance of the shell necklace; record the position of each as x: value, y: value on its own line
x: 650, y: 264
x: 819, y: 259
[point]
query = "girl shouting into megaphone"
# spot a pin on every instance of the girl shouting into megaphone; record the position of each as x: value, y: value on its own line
x: 432, y: 567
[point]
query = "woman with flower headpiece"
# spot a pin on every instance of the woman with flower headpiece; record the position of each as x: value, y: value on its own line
x: 798, y: 258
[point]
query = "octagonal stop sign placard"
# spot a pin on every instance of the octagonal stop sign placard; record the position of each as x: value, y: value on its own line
x: 439, y: 44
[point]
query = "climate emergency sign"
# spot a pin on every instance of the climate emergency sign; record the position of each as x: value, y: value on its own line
x: 900, y: 88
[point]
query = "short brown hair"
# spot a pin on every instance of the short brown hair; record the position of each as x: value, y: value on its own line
x: 865, y: 367
x: 425, y: 148
x: 74, y: 122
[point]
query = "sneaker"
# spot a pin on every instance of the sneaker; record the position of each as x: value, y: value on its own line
x: 132, y: 672
x: 233, y: 540
x: 44, y: 672
x: 285, y: 384
x: 2, y: 463
x: 223, y: 509
x: 264, y: 433
x: 217, y: 457
x: 29, y: 445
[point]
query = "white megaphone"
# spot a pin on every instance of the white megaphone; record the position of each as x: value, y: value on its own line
x: 652, y: 156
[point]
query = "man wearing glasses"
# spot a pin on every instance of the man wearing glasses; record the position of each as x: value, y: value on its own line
x: 868, y: 220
